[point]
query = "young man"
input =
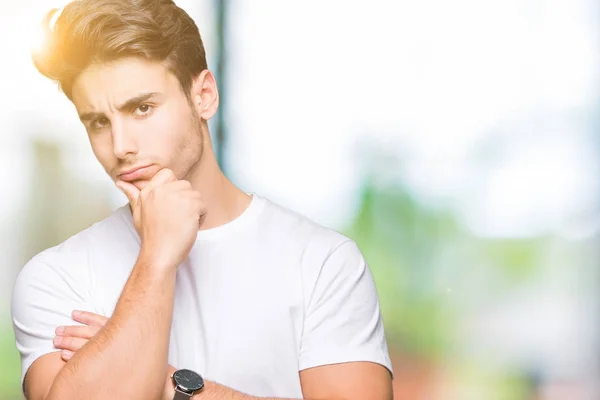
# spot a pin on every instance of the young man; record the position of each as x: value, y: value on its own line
x: 194, y: 289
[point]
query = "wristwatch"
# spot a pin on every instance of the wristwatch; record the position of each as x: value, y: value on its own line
x: 187, y: 383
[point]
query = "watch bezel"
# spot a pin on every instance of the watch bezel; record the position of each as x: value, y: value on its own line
x: 183, y: 385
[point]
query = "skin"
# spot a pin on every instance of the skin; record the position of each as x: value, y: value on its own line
x: 182, y: 190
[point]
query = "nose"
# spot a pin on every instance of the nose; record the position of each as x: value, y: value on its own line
x: 123, y: 142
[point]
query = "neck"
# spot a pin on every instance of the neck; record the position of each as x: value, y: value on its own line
x: 224, y: 202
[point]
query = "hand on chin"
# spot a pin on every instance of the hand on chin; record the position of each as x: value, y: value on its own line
x: 141, y: 183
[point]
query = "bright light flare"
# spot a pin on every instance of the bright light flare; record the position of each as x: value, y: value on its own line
x: 40, y: 35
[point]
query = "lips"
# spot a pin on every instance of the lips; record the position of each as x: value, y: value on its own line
x: 134, y: 173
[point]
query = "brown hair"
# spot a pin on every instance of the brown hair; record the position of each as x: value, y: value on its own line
x: 96, y: 31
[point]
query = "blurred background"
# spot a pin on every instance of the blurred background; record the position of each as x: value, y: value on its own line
x: 457, y: 142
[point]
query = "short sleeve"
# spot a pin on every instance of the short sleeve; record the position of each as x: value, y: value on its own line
x: 343, y: 321
x: 44, y: 295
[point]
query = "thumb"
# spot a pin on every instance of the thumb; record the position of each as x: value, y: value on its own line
x: 130, y: 191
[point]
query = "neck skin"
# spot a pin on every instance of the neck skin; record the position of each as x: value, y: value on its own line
x: 224, y: 202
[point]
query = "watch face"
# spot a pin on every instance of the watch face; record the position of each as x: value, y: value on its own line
x: 188, y: 380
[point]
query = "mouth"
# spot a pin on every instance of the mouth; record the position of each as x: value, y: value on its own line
x: 135, y: 173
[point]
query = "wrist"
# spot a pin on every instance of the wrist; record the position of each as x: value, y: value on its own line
x: 169, y: 392
x: 149, y: 259
x: 184, y: 384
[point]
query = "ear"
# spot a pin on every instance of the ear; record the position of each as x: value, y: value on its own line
x: 205, y: 95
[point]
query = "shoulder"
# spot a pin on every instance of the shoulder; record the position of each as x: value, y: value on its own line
x: 314, y: 246
x: 294, y: 226
x: 67, y: 263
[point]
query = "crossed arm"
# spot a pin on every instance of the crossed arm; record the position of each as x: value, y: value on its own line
x: 97, y: 355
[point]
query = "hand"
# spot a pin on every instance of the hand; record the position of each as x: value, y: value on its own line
x: 166, y: 214
x: 71, y: 338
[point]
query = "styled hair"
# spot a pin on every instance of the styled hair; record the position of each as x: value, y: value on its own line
x: 86, y: 32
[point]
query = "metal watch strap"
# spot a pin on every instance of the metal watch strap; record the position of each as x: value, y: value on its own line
x: 179, y: 395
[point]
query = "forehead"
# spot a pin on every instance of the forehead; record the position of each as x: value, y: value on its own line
x: 116, y: 81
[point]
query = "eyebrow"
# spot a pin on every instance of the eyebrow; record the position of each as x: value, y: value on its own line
x: 127, y: 105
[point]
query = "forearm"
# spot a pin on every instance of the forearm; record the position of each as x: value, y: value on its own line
x: 137, y: 334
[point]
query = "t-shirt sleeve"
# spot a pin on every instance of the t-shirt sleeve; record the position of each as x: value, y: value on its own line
x: 44, y: 295
x: 343, y: 321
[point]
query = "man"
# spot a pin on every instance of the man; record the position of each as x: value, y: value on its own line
x: 195, y: 289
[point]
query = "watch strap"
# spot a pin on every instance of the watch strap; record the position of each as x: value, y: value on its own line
x: 180, y: 395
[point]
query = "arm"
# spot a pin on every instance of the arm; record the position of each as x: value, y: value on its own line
x: 109, y: 356
x: 344, y: 354
x: 348, y: 381
x: 166, y: 214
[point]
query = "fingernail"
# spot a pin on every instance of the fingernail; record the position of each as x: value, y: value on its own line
x: 66, y: 354
x: 60, y: 330
x: 57, y: 340
x: 76, y: 313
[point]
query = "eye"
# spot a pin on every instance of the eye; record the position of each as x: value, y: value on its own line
x: 100, y: 123
x: 143, y: 110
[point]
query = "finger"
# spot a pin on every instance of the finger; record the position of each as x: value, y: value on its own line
x: 69, y: 343
x: 162, y: 177
x: 66, y: 354
x: 82, y: 331
x: 89, y: 318
x: 130, y: 191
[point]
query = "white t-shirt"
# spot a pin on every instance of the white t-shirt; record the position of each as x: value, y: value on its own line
x: 260, y: 298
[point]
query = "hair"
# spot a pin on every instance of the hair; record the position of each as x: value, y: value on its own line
x: 98, y: 31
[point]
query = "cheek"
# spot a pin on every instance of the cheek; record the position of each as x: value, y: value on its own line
x: 102, y: 149
x: 158, y: 134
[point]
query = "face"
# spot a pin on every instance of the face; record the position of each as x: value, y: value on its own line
x: 139, y: 120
